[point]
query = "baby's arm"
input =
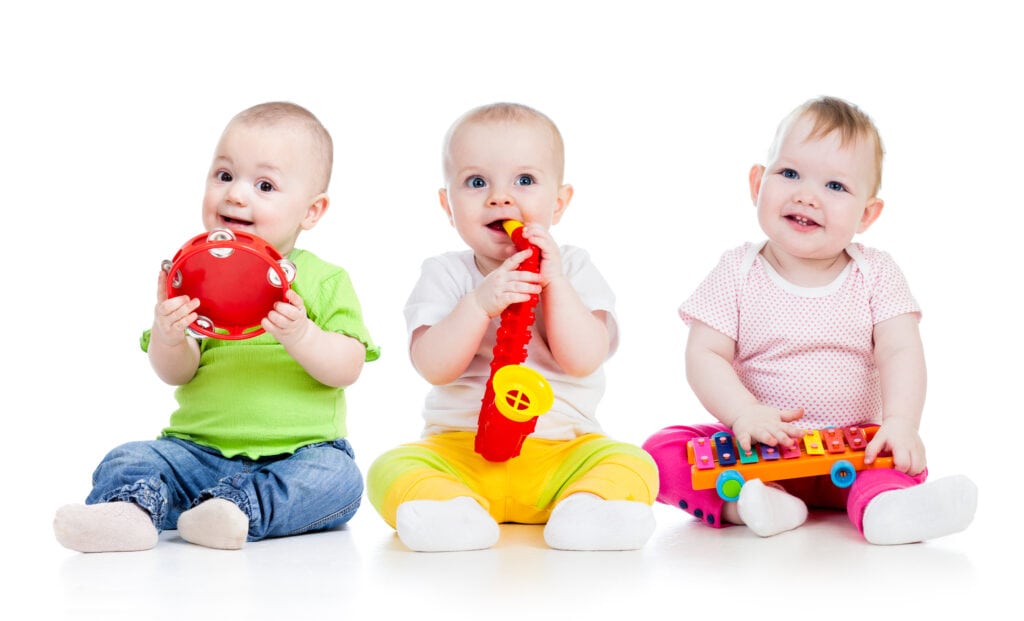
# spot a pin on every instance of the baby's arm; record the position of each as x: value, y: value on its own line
x: 442, y: 352
x: 709, y: 357
x: 899, y: 355
x: 173, y: 354
x: 578, y: 337
x: 330, y: 358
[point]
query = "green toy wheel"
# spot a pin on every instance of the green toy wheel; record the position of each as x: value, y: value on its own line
x: 728, y: 485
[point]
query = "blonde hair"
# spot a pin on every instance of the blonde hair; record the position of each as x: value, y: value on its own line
x: 503, y: 112
x: 274, y: 112
x: 831, y: 114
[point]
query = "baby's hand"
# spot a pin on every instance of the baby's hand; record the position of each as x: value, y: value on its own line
x: 550, y: 255
x: 767, y: 425
x: 507, y: 285
x: 902, y: 440
x: 287, y: 321
x: 171, y: 316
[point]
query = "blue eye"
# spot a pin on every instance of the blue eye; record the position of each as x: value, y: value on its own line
x: 476, y: 181
x: 835, y: 186
x: 224, y: 176
x: 265, y: 186
x: 789, y: 173
x: 525, y: 180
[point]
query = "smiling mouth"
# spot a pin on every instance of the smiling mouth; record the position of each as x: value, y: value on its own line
x: 235, y: 221
x: 802, y: 221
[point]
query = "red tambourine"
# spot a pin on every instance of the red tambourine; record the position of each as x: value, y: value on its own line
x: 237, y: 278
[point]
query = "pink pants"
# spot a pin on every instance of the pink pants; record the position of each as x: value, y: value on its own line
x: 668, y: 448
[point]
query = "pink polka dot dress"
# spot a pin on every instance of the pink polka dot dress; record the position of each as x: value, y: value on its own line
x: 795, y: 347
x: 805, y: 347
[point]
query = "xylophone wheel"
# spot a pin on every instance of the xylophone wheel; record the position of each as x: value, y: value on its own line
x: 728, y: 485
x: 843, y: 473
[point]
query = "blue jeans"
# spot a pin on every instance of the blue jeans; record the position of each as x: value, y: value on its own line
x: 317, y: 487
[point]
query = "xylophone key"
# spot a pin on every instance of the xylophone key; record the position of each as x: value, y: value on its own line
x: 812, y: 442
x: 856, y: 437
x: 725, y: 448
x: 702, y: 454
x: 790, y: 452
x: 833, y: 440
x: 769, y: 453
x: 747, y: 457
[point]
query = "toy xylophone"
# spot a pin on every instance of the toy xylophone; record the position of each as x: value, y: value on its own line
x: 515, y: 395
x: 237, y: 278
x: 718, y: 462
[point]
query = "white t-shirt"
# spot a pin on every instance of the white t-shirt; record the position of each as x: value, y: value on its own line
x: 809, y: 347
x: 447, y: 278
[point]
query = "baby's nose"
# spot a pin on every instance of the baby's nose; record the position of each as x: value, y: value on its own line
x: 805, y: 196
x: 236, y: 194
x: 500, y: 197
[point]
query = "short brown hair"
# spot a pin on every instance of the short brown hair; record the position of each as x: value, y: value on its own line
x: 831, y: 114
x: 509, y: 113
x: 274, y: 112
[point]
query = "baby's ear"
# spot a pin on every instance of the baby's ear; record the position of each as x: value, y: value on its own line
x: 561, y: 202
x: 755, y: 177
x: 442, y: 194
x: 315, y: 211
x: 871, y: 212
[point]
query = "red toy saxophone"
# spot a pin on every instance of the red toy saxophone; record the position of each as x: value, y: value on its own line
x: 515, y: 395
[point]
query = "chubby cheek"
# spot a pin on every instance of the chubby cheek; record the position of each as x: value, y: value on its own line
x: 210, y: 218
x: 211, y: 199
x: 540, y: 214
x: 764, y: 216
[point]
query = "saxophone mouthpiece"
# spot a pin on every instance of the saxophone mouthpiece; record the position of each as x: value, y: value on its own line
x: 511, y: 225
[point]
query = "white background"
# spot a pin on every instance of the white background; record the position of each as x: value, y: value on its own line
x: 110, y: 111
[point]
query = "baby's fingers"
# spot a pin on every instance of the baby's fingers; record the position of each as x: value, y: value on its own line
x: 161, y: 287
x: 744, y: 440
x: 177, y: 307
x: 174, y: 315
x: 512, y: 263
x: 787, y: 435
x: 873, y: 449
x: 917, y: 463
x: 901, y: 460
x: 177, y: 319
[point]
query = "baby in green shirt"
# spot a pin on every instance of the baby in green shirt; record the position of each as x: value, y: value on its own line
x: 257, y: 446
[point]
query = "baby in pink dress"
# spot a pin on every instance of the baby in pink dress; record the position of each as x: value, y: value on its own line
x: 809, y: 330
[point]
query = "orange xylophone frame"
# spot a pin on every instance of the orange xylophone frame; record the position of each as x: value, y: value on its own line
x: 717, y: 462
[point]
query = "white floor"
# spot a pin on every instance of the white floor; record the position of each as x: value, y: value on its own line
x: 363, y: 572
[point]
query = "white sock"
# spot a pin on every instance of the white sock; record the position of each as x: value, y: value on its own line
x: 768, y: 510
x: 925, y: 511
x: 215, y: 523
x: 105, y: 527
x: 584, y: 521
x: 445, y: 525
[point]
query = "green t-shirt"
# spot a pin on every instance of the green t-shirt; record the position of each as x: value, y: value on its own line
x: 250, y: 397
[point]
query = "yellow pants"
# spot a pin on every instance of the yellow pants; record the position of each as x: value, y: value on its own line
x: 523, y: 489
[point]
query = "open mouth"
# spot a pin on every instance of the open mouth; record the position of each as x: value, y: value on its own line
x: 802, y: 221
x: 235, y: 221
x: 496, y: 226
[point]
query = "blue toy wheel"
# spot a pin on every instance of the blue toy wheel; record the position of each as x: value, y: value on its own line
x: 843, y: 473
x: 728, y: 485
